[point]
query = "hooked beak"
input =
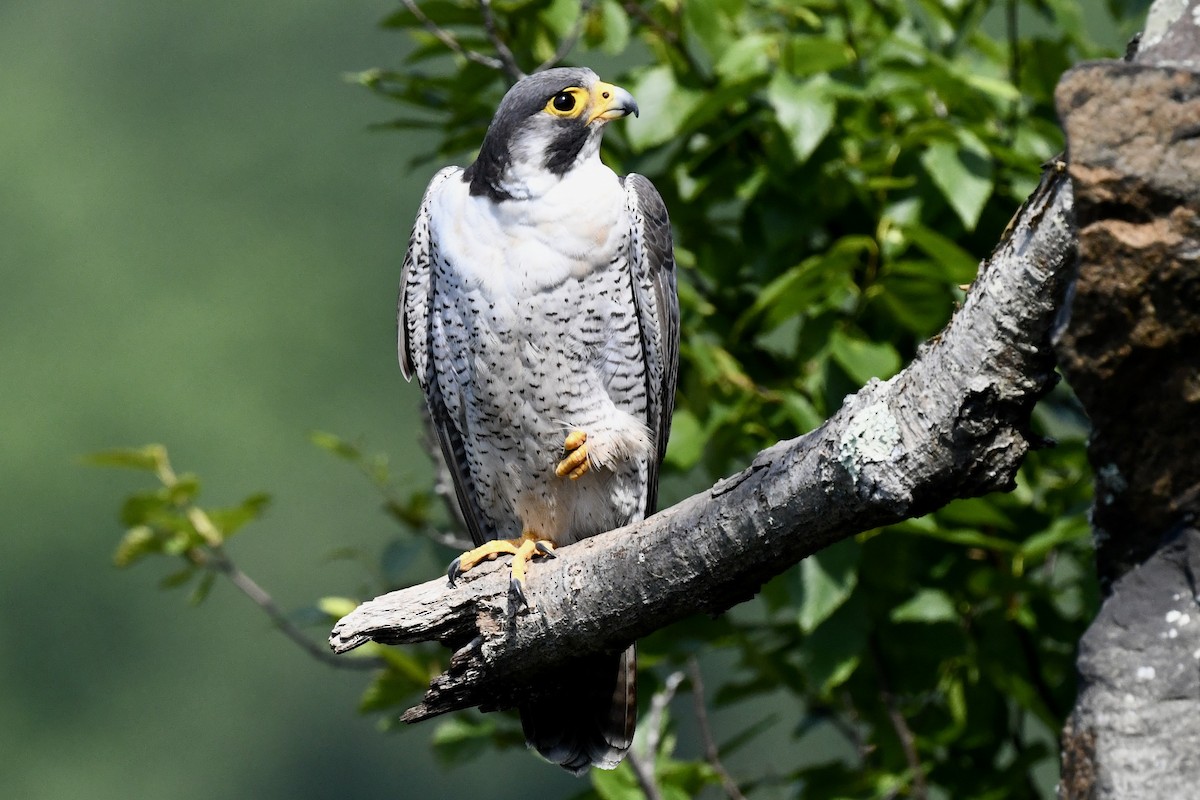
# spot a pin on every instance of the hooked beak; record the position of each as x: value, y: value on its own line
x: 611, y: 102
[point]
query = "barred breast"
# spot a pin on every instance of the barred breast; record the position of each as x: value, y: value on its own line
x: 550, y: 346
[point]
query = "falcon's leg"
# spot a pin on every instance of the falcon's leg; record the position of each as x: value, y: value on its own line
x: 574, y: 464
x: 521, y: 550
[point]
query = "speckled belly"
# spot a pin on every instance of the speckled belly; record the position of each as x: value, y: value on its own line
x: 536, y: 368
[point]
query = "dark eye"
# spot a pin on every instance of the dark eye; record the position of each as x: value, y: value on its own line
x: 564, y: 101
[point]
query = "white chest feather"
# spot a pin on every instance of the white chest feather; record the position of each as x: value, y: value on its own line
x: 517, y: 248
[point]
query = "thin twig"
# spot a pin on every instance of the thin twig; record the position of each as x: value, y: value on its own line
x: 645, y: 775
x: 450, y: 539
x: 508, y: 62
x: 711, y: 753
x: 213, y: 557
x: 216, y: 559
x: 634, y: 9
x: 643, y: 763
x: 907, y: 741
x: 568, y: 43
x: 447, y: 38
x: 658, y: 707
x: 848, y: 727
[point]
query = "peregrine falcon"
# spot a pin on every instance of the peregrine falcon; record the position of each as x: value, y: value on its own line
x: 538, y: 313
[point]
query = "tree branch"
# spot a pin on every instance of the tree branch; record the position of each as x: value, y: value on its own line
x: 216, y: 559
x: 712, y: 754
x: 508, y: 62
x: 451, y: 41
x: 643, y: 771
x: 642, y: 760
x: 634, y: 9
x: 904, y: 734
x: 568, y: 43
x: 954, y: 423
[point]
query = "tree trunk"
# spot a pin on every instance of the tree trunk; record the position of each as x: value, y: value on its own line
x: 1131, y: 351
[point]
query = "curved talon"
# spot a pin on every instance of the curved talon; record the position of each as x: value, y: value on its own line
x: 545, y: 548
x: 454, y: 570
x: 515, y: 587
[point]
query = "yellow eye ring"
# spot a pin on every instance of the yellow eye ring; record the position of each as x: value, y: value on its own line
x: 568, y: 103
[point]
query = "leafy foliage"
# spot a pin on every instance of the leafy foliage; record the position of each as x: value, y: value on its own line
x: 834, y: 169
x: 166, y: 520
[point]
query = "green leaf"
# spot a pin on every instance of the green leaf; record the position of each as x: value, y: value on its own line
x: 864, y: 360
x: 560, y: 17
x: 182, y: 539
x: 230, y: 520
x: 814, y: 54
x: 747, y: 58
x: 390, y: 688
x: 144, y: 507
x: 1061, y: 531
x: 927, y: 605
x: 200, y: 593
x: 998, y: 88
x: 336, y: 607
x: 820, y: 281
x: 910, y: 301
x: 801, y: 412
x: 137, y: 543
x: 963, y: 173
x: 183, y: 491
x: 684, y: 780
x: 804, y: 110
x: 975, y: 512
x: 667, y: 105
x: 827, y: 579
x: 833, y: 651
x: 460, y: 739
x: 707, y: 27
x: 686, y: 445
x: 616, y: 784
x: 616, y: 27
x: 964, y: 537
x: 148, y: 458
x: 336, y: 445
x: 960, y: 266
x: 177, y: 578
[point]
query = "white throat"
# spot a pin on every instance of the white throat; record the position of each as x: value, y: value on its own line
x: 527, y: 178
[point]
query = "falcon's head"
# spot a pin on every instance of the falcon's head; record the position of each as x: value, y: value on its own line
x: 547, y: 124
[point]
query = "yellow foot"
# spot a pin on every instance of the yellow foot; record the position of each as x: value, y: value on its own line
x: 574, y: 464
x: 521, y: 550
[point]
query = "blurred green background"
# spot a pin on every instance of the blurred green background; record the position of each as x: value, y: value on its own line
x: 199, y: 242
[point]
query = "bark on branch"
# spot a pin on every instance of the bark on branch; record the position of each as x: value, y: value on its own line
x: 955, y: 423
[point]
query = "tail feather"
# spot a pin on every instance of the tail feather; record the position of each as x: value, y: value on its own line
x: 587, y: 718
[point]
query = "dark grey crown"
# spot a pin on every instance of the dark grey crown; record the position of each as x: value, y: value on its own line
x: 526, y: 98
